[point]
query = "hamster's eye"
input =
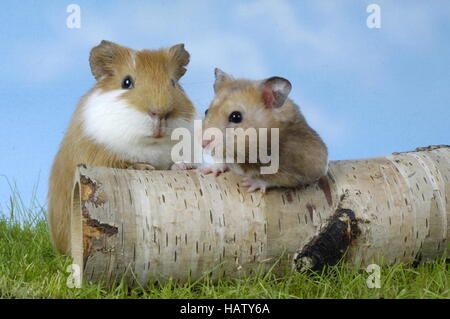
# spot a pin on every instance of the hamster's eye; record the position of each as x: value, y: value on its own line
x: 235, y: 117
x: 127, y: 83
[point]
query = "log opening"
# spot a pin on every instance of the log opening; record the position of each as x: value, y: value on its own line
x: 76, y: 229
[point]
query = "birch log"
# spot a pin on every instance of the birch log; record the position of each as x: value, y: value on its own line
x: 142, y: 225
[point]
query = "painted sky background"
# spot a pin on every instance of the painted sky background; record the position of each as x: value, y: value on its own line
x: 366, y: 91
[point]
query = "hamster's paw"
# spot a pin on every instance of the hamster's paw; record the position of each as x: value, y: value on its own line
x: 141, y: 166
x: 254, y: 184
x: 182, y: 166
x: 215, y: 169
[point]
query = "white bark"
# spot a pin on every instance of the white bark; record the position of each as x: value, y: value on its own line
x: 175, y: 224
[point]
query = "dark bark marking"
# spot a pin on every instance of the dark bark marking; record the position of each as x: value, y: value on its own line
x: 426, y: 148
x: 311, y: 209
x: 328, y: 247
x: 289, y: 197
x: 325, y: 187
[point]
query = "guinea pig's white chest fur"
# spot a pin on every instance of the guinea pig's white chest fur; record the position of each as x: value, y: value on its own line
x: 110, y: 121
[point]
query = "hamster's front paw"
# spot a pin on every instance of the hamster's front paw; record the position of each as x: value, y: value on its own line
x: 182, y: 166
x: 254, y: 184
x: 141, y: 166
x: 215, y: 169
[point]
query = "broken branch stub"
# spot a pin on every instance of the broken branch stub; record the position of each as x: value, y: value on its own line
x: 330, y: 245
x: 156, y: 225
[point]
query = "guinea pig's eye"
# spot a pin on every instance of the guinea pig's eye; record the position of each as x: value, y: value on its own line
x: 127, y: 83
x: 235, y: 117
x: 206, y: 112
x: 172, y: 81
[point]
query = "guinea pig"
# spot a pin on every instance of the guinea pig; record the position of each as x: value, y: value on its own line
x: 124, y: 121
x: 241, y: 103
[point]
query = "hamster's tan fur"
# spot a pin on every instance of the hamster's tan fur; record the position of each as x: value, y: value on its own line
x: 117, y: 127
x: 303, y: 156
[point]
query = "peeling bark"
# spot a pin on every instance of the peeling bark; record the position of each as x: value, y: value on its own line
x: 90, y: 191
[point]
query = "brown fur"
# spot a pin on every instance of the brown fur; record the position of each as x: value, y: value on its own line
x: 154, y: 73
x: 303, y: 155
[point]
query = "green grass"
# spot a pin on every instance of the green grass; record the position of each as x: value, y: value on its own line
x: 29, y: 268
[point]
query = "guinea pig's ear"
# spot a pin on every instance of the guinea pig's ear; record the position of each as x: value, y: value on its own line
x: 221, y: 78
x: 275, y: 91
x: 180, y: 57
x: 101, y: 59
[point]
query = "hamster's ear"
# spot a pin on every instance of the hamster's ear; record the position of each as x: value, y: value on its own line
x: 275, y: 91
x: 221, y: 78
x: 101, y: 59
x: 180, y: 57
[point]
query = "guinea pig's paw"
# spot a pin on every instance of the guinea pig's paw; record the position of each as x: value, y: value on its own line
x: 215, y: 169
x: 254, y: 184
x: 182, y: 166
x: 141, y: 166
